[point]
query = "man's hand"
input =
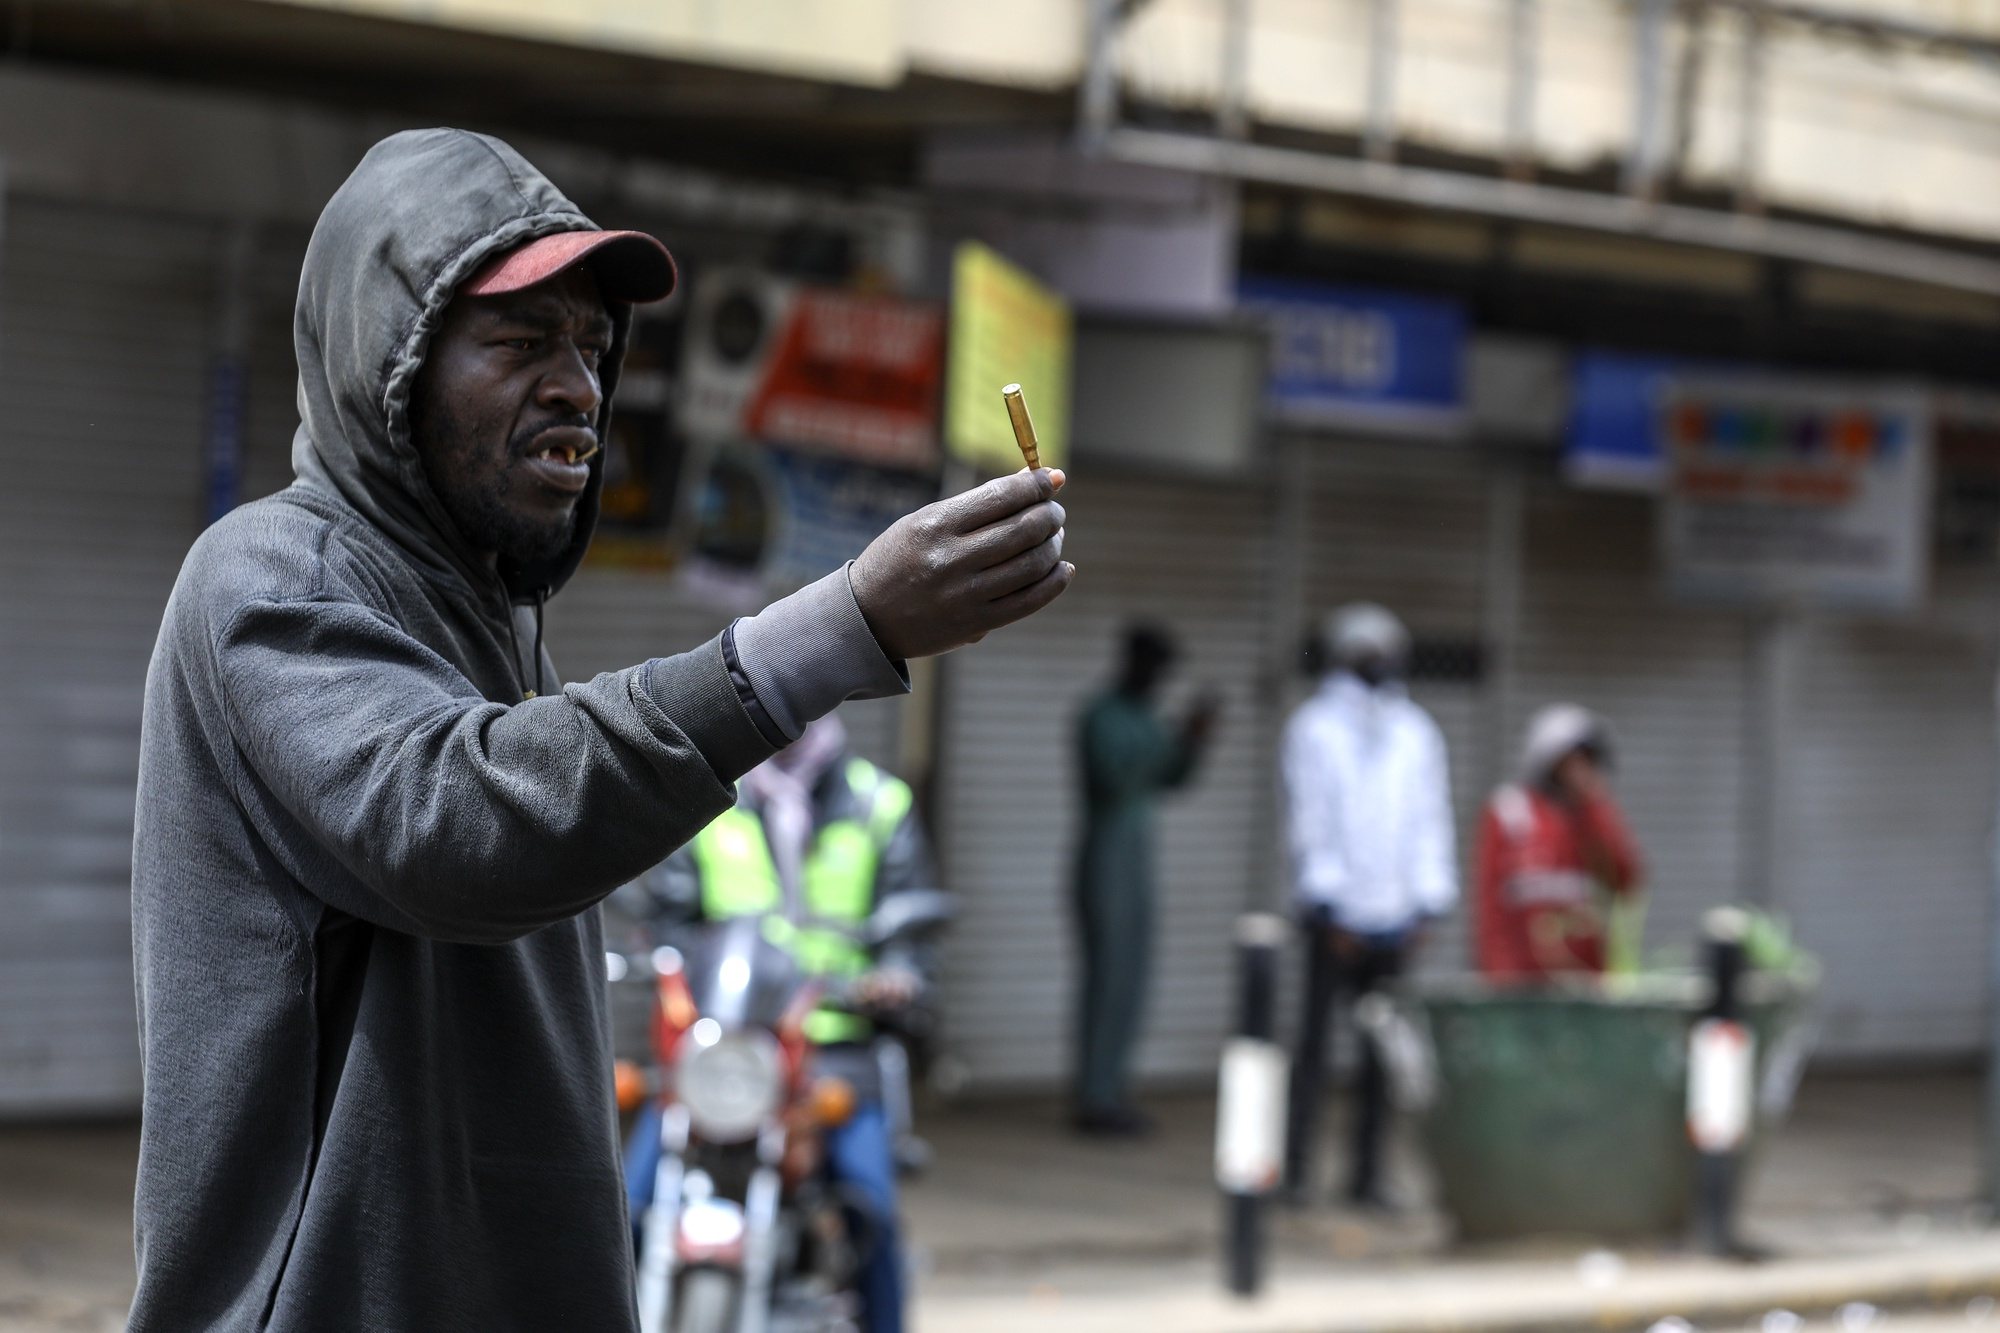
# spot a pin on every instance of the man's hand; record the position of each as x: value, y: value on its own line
x: 1579, y: 778
x: 954, y: 571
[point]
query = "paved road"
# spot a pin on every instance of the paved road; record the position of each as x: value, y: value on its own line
x: 66, y: 1228
x: 1023, y: 1225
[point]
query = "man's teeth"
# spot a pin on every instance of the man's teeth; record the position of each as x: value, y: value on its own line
x: 567, y: 454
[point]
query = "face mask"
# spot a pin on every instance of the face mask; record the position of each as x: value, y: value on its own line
x: 1374, y: 672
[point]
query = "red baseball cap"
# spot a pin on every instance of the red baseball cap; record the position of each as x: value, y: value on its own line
x: 630, y: 265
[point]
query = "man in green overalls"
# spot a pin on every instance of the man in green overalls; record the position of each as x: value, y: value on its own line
x: 816, y: 833
x: 1128, y: 756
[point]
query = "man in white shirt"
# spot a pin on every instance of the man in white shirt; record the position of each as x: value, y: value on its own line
x: 1369, y: 828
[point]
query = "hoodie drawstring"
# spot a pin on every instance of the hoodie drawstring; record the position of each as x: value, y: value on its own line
x: 514, y: 639
x: 541, y: 596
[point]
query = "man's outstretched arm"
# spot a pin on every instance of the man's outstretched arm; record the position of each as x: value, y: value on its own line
x: 457, y: 817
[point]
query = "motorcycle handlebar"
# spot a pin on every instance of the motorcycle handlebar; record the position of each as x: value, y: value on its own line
x: 641, y: 965
x: 844, y: 993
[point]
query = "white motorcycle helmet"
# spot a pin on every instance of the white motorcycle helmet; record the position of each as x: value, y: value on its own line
x: 1557, y: 731
x: 1368, y: 640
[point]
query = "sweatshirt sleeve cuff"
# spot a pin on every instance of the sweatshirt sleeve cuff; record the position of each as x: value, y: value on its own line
x: 694, y: 693
x: 804, y: 655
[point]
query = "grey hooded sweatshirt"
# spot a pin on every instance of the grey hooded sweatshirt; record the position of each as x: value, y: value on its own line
x: 370, y: 974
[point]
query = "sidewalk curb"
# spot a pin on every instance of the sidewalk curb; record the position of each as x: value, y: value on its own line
x: 1816, y: 1301
x: 1941, y: 1286
x: 1712, y: 1296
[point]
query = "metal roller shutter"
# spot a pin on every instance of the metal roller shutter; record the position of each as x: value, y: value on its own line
x: 1674, y: 681
x: 1869, y: 823
x: 104, y: 328
x: 1887, y: 821
x: 272, y: 413
x: 1196, y: 557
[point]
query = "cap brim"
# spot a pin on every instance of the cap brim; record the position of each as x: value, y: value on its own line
x: 629, y: 265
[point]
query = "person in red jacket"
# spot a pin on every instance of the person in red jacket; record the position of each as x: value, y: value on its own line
x: 1551, y: 846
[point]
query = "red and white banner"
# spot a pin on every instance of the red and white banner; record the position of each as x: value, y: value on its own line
x: 815, y: 368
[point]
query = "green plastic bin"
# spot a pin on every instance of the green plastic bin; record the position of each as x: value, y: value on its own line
x: 1564, y: 1111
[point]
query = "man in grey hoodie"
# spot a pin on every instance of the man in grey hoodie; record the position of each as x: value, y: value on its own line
x: 372, y: 834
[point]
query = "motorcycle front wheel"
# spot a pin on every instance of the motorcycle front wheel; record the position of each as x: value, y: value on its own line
x: 706, y: 1302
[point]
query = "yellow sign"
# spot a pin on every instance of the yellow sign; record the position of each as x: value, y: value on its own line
x: 1006, y: 328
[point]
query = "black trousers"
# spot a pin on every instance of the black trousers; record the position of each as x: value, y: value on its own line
x: 1336, y: 980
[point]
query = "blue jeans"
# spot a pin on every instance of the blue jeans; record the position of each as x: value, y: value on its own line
x: 860, y: 1155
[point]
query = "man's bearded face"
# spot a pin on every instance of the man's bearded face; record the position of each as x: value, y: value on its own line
x: 503, y: 414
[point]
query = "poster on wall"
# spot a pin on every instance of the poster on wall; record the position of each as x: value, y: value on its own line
x: 1006, y: 328
x: 1791, y: 491
x: 814, y: 368
x: 734, y: 520
x: 768, y: 519
x: 1612, y: 441
x: 829, y: 509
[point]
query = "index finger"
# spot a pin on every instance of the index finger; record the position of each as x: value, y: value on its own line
x: 999, y: 498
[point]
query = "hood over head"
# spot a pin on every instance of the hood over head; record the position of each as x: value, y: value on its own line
x: 423, y: 211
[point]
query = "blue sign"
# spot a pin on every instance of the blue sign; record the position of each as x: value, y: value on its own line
x: 1614, y: 423
x: 1356, y: 356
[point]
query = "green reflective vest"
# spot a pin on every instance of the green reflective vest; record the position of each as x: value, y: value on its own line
x: 739, y: 877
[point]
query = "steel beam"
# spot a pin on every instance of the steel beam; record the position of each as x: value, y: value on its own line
x: 1556, y: 206
x: 1379, y: 130
x: 1874, y: 27
x: 1523, y: 71
x: 1646, y: 158
x: 1232, y: 116
x: 1097, y: 95
x: 1750, y: 105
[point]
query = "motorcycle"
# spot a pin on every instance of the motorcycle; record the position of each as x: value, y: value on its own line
x: 745, y: 1232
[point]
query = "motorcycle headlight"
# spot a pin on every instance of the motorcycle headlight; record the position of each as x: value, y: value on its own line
x: 730, y: 1083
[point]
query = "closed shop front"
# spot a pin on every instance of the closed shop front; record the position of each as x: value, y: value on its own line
x: 1406, y: 523
x: 1240, y: 573
x: 1193, y: 556
x: 1835, y: 767
x: 103, y: 366
x: 1885, y: 832
x: 132, y: 343
x: 1838, y: 768
x: 1596, y: 627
